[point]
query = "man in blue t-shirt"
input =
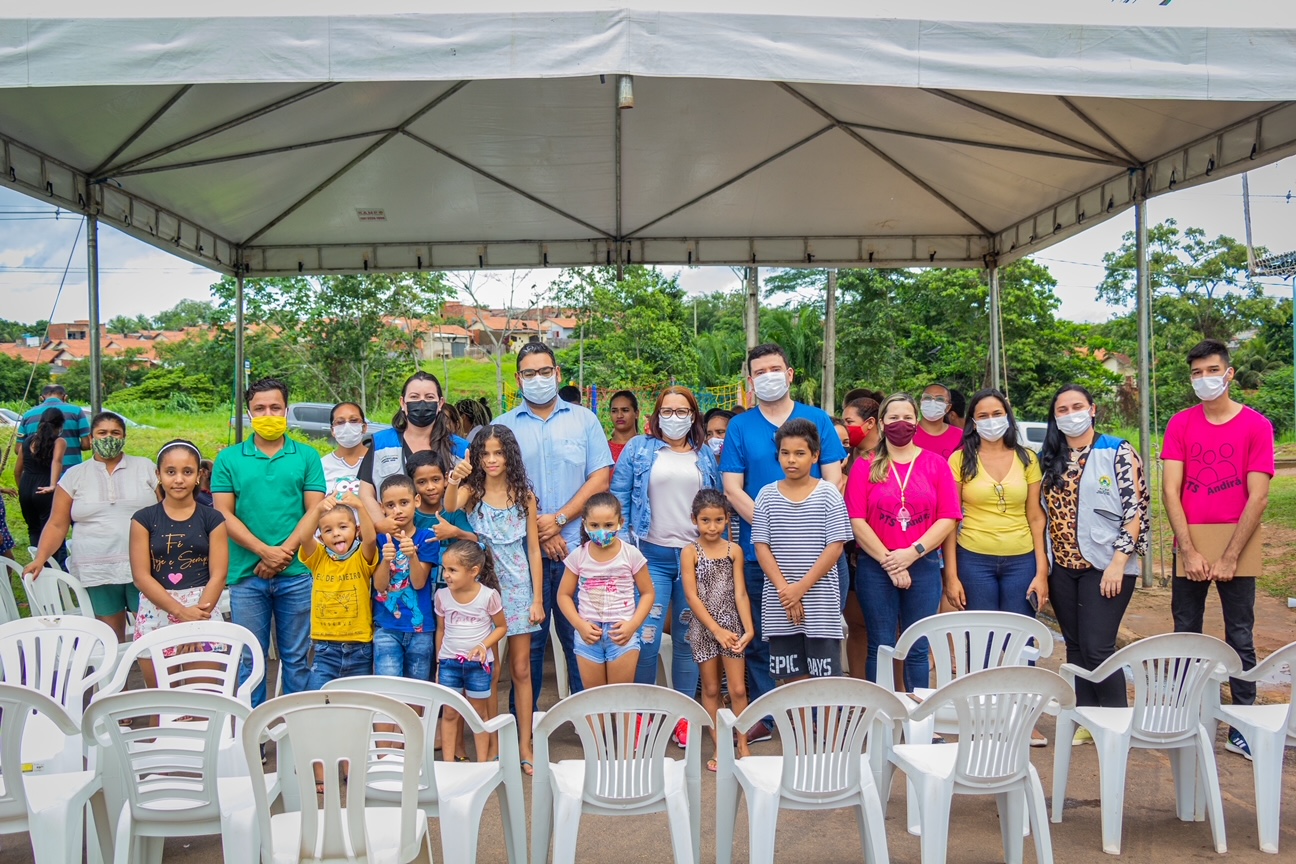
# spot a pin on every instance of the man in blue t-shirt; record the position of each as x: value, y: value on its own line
x: 76, y: 425
x: 749, y: 462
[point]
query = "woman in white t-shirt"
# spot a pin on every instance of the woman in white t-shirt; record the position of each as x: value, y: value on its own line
x: 349, y: 428
x: 657, y: 477
x: 99, y: 497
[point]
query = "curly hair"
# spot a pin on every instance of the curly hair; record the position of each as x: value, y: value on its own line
x: 515, y: 475
x: 476, y: 555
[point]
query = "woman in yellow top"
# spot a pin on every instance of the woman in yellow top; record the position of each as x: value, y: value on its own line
x: 997, y: 560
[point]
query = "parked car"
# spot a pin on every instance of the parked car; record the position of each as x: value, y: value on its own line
x: 9, y: 418
x: 130, y: 424
x: 312, y: 419
x: 1031, y: 435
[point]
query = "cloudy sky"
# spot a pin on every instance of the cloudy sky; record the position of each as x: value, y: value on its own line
x: 37, y: 242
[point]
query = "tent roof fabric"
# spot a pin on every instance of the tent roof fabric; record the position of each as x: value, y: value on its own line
x: 927, y: 132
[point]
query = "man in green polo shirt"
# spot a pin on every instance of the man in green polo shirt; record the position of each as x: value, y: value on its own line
x: 263, y: 487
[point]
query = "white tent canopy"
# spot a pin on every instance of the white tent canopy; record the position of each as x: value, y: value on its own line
x: 916, y: 133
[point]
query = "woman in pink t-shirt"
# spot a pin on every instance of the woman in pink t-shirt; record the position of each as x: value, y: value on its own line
x: 902, y: 504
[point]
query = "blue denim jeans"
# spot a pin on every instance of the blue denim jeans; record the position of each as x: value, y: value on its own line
x: 888, y: 609
x: 254, y: 602
x: 403, y: 655
x: 664, y: 568
x: 334, y: 660
x: 758, y: 657
x: 996, y: 583
x: 553, y: 573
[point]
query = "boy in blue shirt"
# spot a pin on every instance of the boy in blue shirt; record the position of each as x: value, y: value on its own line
x: 428, y: 471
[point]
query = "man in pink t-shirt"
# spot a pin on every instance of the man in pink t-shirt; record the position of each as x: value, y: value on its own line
x: 1219, y: 459
x: 934, y: 433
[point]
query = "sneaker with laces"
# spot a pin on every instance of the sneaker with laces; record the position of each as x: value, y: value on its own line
x: 758, y: 733
x: 680, y: 735
x: 1237, y: 744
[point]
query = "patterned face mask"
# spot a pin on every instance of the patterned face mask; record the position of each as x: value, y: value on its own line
x: 602, y: 537
x: 108, y: 448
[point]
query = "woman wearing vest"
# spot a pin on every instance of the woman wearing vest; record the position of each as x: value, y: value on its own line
x: 419, y: 425
x: 1096, y: 503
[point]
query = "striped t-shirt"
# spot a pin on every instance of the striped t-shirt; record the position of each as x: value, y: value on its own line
x: 797, y: 533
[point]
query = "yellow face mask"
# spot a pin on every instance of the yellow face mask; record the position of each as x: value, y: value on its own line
x: 270, y: 428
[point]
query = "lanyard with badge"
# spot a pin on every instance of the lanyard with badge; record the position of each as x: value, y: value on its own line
x: 902, y: 515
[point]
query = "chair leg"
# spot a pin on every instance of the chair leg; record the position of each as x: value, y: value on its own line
x: 1037, y: 813
x: 239, y: 836
x: 1011, y: 809
x: 1183, y: 765
x: 935, y: 796
x: 459, y: 843
x: 1062, y: 736
x: 1113, y: 760
x: 541, y: 821
x: 513, y: 814
x: 681, y: 828
x: 567, y: 816
x: 872, y: 826
x: 1267, y: 756
x: 56, y: 835
x: 1210, y: 778
x: 726, y: 816
x: 762, y: 818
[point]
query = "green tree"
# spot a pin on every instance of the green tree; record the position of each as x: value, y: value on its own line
x: 189, y: 313
x: 117, y: 373
x: 14, y: 375
x: 160, y: 386
x: 12, y: 331
x: 123, y: 324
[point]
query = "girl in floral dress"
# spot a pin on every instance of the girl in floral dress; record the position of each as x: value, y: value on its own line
x: 501, y: 509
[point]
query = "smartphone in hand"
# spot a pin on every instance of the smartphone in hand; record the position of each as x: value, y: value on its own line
x: 1033, y: 599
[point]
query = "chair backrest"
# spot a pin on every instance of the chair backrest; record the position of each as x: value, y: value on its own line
x: 17, y: 703
x: 823, y: 725
x: 1281, y: 661
x: 56, y: 655
x: 57, y: 593
x: 207, y: 660
x: 427, y: 699
x: 1171, y: 673
x: 624, y: 730
x: 8, y: 603
x: 333, y: 729
x: 997, y: 709
x: 964, y: 642
x: 167, y: 773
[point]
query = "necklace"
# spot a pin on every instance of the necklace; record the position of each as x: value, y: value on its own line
x: 902, y: 515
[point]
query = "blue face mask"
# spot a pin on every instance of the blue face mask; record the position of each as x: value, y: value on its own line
x: 602, y: 537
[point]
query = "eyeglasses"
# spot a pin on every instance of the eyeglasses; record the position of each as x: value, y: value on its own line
x: 682, y: 413
x: 933, y: 400
x: 543, y: 372
x: 1003, y: 502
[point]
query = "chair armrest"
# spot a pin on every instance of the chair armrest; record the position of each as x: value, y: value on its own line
x: 498, y: 724
x: 536, y: 718
x: 1269, y: 665
x: 1029, y: 655
x: 725, y: 721
x: 725, y: 754
x: 1070, y: 672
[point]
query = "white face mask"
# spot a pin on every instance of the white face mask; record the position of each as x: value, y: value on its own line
x: 715, y: 444
x: 348, y: 434
x: 540, y: 391
x: 771, y: 386
x: 992, y: 428
x: 675, y: 428
x: 933, y: 411
x: 1211, y: 388
x: 1075, y: 425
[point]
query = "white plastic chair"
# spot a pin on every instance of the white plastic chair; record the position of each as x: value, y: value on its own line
x: 162, y: 781
x: 666, y: 657
x: 219, y: 673
x: 333, y: 729
x: 8, y: 603
x: 1268, y: 729
x: 996, y: 709
x: 823, y: 725
x: 560, y: 660
x: 454, y: 792
x: 57, y: 593
x: 624, y: 730
x: 49, y: 807
x: 960, y: 643
x: 61, y: 658
x: 1171, y: 673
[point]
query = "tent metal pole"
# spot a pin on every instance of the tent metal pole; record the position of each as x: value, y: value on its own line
x: 92, y: 279
x: 752, y: 316
x: 1143, y: 308
x: 996, y: 335
x: 829, y: 400
x: 239, y: 374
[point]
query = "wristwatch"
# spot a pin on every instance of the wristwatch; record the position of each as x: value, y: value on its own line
x: 561, y: 518
x: 920, y: 549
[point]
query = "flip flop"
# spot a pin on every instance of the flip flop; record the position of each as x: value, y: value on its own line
x: 527, y: 768
x: 712, y: 765
x: 462, y: 759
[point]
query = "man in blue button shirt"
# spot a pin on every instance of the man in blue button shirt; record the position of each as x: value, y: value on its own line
x: 568, y: 460
x: 749, y: 462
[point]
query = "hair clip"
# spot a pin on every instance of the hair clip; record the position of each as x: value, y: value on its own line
x: 481, y: 544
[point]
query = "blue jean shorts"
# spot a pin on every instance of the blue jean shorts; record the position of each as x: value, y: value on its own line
x: 605, y: 650
x: 334, y: 660
x: 470, y: 677
x: 404, y: 655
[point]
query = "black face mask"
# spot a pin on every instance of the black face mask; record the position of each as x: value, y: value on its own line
x: 421, y: 414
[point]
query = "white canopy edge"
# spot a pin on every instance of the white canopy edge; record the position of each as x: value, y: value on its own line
x: 1189, y: 50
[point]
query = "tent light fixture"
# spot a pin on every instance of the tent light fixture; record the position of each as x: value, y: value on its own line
x: 625, y: 91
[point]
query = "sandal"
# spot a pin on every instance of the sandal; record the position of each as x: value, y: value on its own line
x: 527, y: 768
x: 462, y: 759
x: 712, y: 765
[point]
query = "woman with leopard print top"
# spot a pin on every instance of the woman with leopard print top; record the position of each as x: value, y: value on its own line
x: 1096, y: 502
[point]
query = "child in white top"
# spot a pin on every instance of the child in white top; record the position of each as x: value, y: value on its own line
x: 597, y: 594
x: 470, y: 623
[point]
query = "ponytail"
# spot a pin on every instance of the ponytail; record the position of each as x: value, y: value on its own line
x: 476, y: 555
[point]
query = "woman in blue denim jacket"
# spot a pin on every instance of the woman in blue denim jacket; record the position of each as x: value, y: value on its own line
x: 656, y: 479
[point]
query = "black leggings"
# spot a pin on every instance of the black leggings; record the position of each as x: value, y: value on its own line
x: 1089, y: 623
x: 36, y: 509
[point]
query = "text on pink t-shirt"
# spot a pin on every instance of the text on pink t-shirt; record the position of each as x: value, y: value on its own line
x: 1217, y: 460
x: 943, y: 444
x: 605, y: 591
x: 930, y: 494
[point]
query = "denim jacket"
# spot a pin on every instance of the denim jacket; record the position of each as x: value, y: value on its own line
x: 630, y: 480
